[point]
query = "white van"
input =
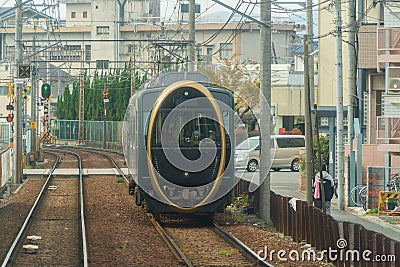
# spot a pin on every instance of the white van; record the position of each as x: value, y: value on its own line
x: 288, y: 151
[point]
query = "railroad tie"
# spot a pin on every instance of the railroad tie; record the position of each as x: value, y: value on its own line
x: 30, y: 248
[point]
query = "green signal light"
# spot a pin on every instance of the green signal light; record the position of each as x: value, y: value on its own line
x: 46, y: 90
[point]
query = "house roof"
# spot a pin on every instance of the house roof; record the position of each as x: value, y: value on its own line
x: 300, y: 49
x: 9, y: 12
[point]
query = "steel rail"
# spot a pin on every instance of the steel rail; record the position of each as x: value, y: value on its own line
x: 245, y: 250
x: 81, y: 203
x: 107, y: 156
x: 179, y: 254
x: 18, y: 240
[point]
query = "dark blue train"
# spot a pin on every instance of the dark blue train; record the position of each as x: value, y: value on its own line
x: 178, y: 139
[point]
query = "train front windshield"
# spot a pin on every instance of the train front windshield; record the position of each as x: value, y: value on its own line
x: 185, y: 128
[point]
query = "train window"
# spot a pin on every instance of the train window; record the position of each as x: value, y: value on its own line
x: 197, y: 128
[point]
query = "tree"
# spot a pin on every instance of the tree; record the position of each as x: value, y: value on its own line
x: 118, y: 84
x: 234, y: 77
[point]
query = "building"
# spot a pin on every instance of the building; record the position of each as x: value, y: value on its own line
x: 377, y: 104
x: 107, y: 34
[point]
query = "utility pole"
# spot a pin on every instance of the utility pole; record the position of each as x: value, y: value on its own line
x: 18, y: 95
x: 33, y: 102
x: 308, y: 125
x: 352, y: 87
x: 265, y: 112
x: 192, y: 34
x: 310, y: 35
x: 339, y: 104
x: 105, y: 99
x: 81, y: 115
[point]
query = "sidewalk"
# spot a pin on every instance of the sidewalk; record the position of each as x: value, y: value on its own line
x: 378, y: 224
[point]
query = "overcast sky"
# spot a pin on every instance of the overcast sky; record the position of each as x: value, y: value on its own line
x: 207, y: 7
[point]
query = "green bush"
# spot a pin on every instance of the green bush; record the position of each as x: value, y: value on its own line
x: 324, y: 146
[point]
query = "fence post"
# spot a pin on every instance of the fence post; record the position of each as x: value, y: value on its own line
x: 294, y: 223
x: 290, y: 218
x: 282, y: 215
x: 305, y: 223
x: 335, y: 237
x: 356, y: 244
x: 379, y: 239
x: 299, y: 221
x: 326, y: 229
x: 370, y: 245
x: 285, y: 216
x: 396, y: 251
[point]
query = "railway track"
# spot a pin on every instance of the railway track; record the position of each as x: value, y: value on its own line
x: 222, y: 248
x: 206, y: 246
x: 53, y: 233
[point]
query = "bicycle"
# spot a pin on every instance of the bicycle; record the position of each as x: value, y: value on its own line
x: 358, y: 196
x: 394, y: 186
x: 394, y: 183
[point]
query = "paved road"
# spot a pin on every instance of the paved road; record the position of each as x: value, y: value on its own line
x: 286, y: 183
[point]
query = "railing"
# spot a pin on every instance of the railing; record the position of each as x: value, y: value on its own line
x: 388, y: 42
x: 388, y: 130
x: 94, y: 130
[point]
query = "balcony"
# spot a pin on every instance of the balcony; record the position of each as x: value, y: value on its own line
x: 388, y: 42
x: 388, y: 134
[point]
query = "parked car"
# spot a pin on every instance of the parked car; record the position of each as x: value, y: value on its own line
x: 288, y: 151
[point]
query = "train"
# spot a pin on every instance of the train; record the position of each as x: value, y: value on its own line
x: 178, y: 142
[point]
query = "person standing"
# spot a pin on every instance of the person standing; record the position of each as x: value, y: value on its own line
x: 329, y: 188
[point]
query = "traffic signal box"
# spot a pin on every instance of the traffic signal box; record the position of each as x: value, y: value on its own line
x: 25, y: 93
x: 46, y: 90
x: 24, y: 71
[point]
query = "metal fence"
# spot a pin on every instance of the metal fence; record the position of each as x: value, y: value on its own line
x: 94, y: 130
x: 307, y: 224
x: 4, y: 134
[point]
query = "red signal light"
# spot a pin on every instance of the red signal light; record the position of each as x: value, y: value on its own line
x: 10, y: 118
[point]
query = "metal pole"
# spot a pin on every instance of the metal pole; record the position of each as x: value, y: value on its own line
x: 339, y: 104
x: 352, y: 85
x: 192, y: 34
x: 265, y: 112
x: 104, y: 121
x: 310, y: 34
x: 18, y: 96
x: 308, y: 126
x: 320, y: 161
x: 33, y: 101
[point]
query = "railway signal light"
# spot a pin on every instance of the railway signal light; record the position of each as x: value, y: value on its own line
x: 9, y: 107
x: 105, y: 95
x: 46, y: 90
x: 10, y: 117
x: 24, y: 93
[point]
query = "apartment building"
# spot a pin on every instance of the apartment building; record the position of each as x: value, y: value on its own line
x: 378, y: 77
x: 106, y: 34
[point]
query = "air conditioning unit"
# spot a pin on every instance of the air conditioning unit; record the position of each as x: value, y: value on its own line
x: 394, y: 86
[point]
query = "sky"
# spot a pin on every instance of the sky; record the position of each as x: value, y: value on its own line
x: 208, y: 7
